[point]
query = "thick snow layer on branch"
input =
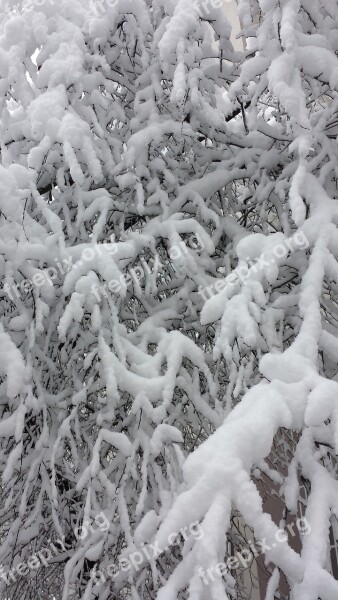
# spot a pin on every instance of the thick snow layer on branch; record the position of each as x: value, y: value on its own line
x: 11, y: 364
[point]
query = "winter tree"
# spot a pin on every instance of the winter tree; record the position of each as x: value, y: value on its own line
x: 169, y: 285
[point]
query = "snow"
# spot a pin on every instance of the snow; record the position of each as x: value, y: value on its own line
x: 46, y: 112
x: 119, y: 440
x: 135, y: 139
x: 11, y: 364
x: 162, y: 434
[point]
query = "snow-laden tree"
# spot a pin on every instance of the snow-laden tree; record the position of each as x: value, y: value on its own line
x: 278, y: 329
x: 143, y: 163
x: 106, y: 127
